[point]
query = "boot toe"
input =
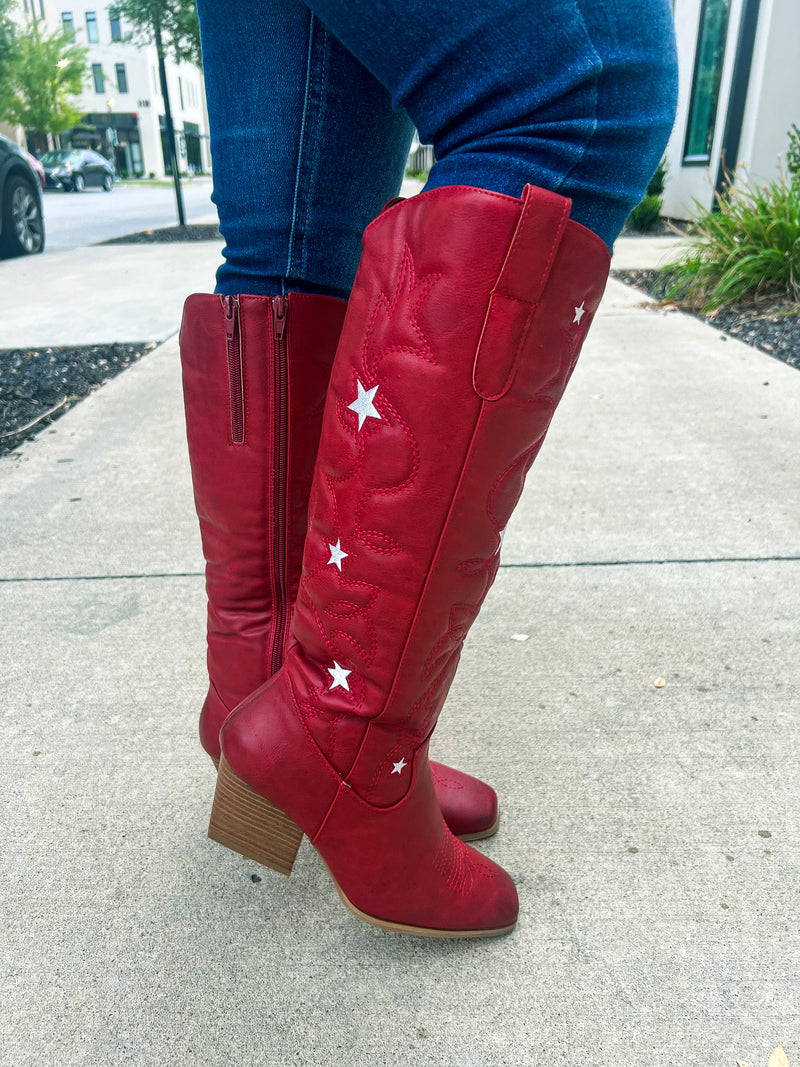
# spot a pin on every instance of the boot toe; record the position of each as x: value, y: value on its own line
x: 469, y: 806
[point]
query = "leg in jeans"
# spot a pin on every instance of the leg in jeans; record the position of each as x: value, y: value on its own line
x: 576, y: 96
x: 309, y: 141
x: 305, y: 143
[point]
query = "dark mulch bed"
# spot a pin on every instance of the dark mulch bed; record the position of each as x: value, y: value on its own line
x: 37, y: 385
x: 168, y: 235
x: 773, y: 328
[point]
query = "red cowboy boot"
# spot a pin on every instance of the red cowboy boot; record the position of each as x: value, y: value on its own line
x: 255, y: 376
x: 465, y: 322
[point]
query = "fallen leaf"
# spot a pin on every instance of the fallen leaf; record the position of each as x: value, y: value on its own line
x: 778, y: 1058
x: 741, y: 1063
x: 659, y: 683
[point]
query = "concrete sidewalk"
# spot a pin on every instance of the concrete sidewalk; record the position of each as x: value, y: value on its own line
x: 101, y: 294
x: 653, y: 832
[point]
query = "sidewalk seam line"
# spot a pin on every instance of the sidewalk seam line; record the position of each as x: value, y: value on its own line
x: 503, y: 566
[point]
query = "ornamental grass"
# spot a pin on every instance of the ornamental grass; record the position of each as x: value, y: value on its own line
x: 744, y: 250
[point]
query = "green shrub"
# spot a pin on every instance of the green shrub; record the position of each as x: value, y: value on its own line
x: 655, y: 187
x: 745, y: 248
x: 646, y: 214
x: 648, y: 211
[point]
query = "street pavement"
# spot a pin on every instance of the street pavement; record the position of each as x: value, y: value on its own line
x: 652, y: 829
x: 73, y: 219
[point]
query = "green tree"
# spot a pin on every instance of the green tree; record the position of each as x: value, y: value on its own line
x: 175, y: 21
x: 44, y: 74
x: 7, y: 38
x: 173, y: 26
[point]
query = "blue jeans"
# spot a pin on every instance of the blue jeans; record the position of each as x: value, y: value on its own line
x: 312, y: 108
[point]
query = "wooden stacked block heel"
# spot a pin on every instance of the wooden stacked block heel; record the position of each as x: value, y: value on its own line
x: 246, y: 823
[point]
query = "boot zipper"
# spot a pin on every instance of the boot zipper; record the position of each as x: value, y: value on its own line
x: 233, y: 338
x: 280, y: 311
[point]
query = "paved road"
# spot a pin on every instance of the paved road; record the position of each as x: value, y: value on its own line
x: 72, y: 219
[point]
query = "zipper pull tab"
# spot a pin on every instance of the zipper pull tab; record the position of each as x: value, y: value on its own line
x: 230, y: 305
x: 280, y: 311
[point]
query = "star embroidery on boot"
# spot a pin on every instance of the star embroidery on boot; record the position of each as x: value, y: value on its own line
x: 501, y: 536
x: 397, y: 768
x: 337, y: 555
x: 363, y: 405
x: 579, y: 313
x: 339, y: 675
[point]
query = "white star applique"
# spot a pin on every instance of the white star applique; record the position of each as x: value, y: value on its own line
x: 363, y: 405
x: 501, y: 536
x: 339, y: 675
x: 397, y: 768
x: 337, y: 555
x: 579, y: 313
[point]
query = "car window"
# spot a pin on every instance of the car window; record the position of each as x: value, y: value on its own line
x: 49, y: 159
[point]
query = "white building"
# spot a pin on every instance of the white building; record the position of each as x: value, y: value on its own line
x: 739, y: 94
x: 122, y: 105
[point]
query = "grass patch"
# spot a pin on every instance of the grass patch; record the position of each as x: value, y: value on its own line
x: 745, y: 249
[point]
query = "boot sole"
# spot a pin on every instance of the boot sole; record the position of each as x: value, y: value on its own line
x: 414, y: 931
x: 245, y: 822
x: 481, y: 835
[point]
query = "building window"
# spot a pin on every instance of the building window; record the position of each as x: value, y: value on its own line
x: 98, y: 78
x: 91, y: 28
x: 709, y: 57
x: 116, y: 25
x: 68, y: 26
x: 180, y: 91
x: 122, y: 78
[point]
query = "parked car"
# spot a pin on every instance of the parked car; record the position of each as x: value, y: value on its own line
x: 75, y: 169
x: 37, y: 166
x: 21, y: 217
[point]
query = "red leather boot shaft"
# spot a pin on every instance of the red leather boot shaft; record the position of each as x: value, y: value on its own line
x: 462, y: 330
x: 541, y: 306
x: 255, y: 375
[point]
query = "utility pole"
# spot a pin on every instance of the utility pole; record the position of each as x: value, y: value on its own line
x: 173, y: 155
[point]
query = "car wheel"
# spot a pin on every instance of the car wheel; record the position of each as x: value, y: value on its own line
x: 23, y: 225
x: 108, y: 183
x: 78, y: 183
